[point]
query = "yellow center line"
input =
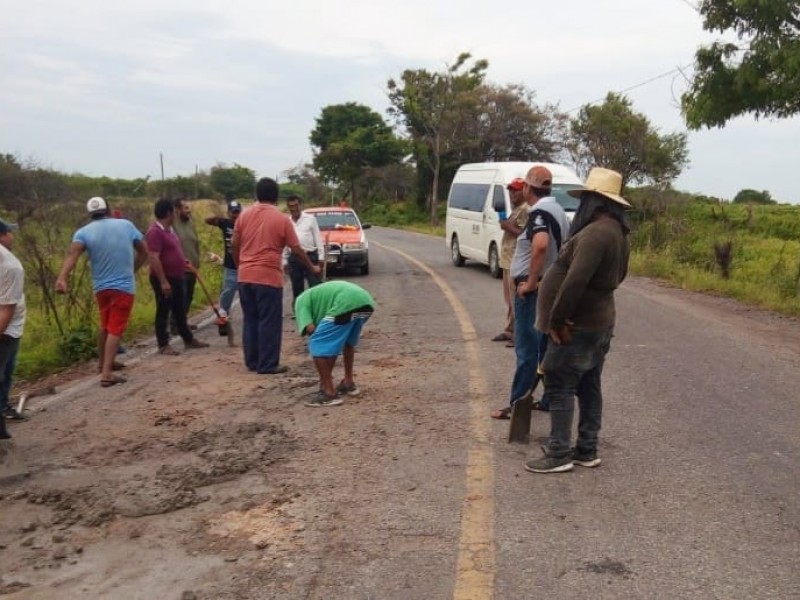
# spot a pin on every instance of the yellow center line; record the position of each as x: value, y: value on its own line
x: 475, y: 566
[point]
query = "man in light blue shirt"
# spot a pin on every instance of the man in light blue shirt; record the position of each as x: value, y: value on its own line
x: 110, y: 244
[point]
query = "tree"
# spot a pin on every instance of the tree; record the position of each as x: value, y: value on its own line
x: 612, y: 135
x: 760, y: 75
x: 753, y: 197
x: 510, y: 126
x: 435, y: 109
x: 349, y: 138
x: 233, y: 182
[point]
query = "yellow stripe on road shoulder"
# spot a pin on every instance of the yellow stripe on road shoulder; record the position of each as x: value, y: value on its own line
x: 475, y: 567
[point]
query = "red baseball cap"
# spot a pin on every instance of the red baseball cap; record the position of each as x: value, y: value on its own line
x: 516, y: 184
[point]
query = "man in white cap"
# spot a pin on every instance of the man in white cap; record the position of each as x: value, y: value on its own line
x: 111, y: 245
x: 12, y: 321
x: 576, y: 308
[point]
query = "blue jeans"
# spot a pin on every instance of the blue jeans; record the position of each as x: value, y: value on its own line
x: 298, y: 274
x: 571, y: 370
x: 262, y: 309
x: 526, y: 345
x: 9, y: 348
x: 229, y: 285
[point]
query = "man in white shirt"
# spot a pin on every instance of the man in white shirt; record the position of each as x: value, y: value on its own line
x: 12, y: 320
x: 307, y: 229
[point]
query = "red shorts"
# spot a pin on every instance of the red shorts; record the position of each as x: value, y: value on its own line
x: 115, y: 310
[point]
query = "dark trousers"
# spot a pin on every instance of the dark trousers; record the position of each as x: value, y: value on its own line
x: 571, y: 370
x: 298, y: 274
x: 189, y: 281
x: 176, y: 305
x: 262, y: 309
x: 9, y: 346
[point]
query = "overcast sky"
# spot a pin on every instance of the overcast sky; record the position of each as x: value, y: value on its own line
x: 103, y: 87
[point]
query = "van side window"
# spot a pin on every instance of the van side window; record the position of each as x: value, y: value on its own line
x: 499, y: 199
x: 468, y: 196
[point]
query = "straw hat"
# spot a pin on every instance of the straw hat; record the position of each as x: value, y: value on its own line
x: 605, y: 182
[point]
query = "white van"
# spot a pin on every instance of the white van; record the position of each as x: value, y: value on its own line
x: 478, y: 193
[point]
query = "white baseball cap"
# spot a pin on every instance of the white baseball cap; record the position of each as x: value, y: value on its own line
x: 96, y: 204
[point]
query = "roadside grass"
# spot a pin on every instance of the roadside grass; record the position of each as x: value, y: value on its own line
x: 676, y: 245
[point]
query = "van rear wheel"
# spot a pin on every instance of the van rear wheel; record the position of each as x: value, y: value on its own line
x: 455, y: 252
x: 494, y: 263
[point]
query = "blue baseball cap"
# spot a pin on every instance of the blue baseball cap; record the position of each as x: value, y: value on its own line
x: 7, y: 227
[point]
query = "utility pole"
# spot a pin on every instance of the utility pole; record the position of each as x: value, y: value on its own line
x: 195, y: 182
x: 161, y: 157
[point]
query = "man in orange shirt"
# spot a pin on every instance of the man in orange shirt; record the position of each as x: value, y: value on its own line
x: 259, y: 236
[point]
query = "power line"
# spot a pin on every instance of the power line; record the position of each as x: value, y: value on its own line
x: 694, y: 6
x: 638, y: 85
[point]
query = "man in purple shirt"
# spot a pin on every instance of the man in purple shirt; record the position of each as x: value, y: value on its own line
x: 167, y: 265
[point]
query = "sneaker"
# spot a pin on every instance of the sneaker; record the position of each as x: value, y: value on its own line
x: 168, y: 351
x: 350, y: 390
x: 12, y: 415
x: 549, y: 464
x: 585, y: 459
x: 195, y: 343
x: 321, y: 399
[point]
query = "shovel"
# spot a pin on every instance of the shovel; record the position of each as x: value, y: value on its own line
x: 222, y: 321
x: 519, y: 430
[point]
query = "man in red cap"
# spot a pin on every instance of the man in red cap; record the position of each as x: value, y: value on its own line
x: 512, y: 227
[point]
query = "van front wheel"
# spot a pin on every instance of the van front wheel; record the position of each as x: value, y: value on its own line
x: 455, y: 253
x: 494, y: 263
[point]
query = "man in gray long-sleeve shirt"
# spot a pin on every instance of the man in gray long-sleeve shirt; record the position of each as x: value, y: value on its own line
x: 576, y: 308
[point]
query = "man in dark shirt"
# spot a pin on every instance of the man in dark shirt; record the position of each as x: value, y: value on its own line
x: 190, y: 244
x: 226, y: 224
x: 167, y: 265
x: 576, y: 308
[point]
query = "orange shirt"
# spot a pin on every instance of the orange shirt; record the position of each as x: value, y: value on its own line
x: 262, y: 232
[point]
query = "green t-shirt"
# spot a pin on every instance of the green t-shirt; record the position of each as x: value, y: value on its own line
x: 330, y: 299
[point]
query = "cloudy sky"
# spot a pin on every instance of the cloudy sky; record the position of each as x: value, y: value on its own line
x: 103, y: 87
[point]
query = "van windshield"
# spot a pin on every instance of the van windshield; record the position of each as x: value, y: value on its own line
x: 567, y: 202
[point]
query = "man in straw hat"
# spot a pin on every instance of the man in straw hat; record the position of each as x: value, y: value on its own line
x: 576, y: 308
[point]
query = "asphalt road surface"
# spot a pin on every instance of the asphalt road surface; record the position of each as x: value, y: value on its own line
x: 199, y: 480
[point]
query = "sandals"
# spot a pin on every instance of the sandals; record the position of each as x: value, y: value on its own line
x: 501, y: 413
x: 502, y: 337
x: 114, y: 380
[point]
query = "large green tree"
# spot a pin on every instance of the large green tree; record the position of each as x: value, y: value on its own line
x: 350, y: 138
x: 760, y: 74
x: 232, y: 182
x: 613, y: 135
x: 510, y: 126
x: 435, y: 108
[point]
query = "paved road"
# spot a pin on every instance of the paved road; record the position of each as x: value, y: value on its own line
x: 697, y: 496
x: 198, y: 479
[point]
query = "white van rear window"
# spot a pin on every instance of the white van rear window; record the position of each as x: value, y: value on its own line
x: 468, y: 196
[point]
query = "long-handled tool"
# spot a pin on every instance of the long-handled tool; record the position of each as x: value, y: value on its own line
x: 325, y: 246
x: 223, y: 326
